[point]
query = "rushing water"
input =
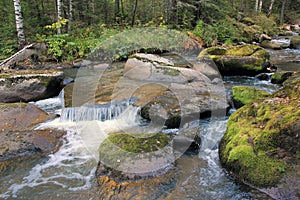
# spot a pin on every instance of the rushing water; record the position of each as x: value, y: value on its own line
x: 69, y: 173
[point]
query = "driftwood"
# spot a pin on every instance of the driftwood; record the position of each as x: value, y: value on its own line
x: 26, y: 52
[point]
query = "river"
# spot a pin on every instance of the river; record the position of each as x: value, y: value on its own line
x: 69, y: 173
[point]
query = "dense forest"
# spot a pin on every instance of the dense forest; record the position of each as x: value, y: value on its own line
x: 72, y: 28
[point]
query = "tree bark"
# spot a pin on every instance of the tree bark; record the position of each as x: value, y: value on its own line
x: 59, y: 5
x: 134, y: 12
x: 19, y: 24
x: 282, y: 11
x: 260, y: 5
x: 270, y: 8
x: 256, y: 5
x: 70, y: 15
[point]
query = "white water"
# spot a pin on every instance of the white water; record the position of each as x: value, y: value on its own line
x: 72, y: 168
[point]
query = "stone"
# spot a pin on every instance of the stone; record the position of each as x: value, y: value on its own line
x: 30, y: 85
x: 238, y: 60
x: 261, y: 144
x: 242, y: 95
x: 280, y: 77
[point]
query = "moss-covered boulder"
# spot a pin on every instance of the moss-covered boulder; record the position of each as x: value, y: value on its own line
x: 127, y: 157
x: 243, y: 95
x: 280, y: 77
x: 295, y: 42
x: 261, y: 145
x: 238, y: 60
x: 30, y: 85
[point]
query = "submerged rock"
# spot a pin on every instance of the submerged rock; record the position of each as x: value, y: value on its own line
x: 238, y: 60
x: 30, y: 85
x: 261, y: 145
x: 243, y: 95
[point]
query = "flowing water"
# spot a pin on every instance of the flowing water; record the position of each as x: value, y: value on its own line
x: 69, y: 173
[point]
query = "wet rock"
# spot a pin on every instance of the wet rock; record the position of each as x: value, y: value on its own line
x: 238, y: 60
x: 243, y: 95
x: 30, y: 86
x: 276, y: 45
x: 18, y: 139
x: 280, y: 77
x: 261, y: 144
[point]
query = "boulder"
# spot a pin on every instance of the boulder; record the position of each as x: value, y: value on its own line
x: 19, y: 140
x: 243, y: 95
x: 30, y: 85
x: 295, y: 42
x: 280, y: 77
x: 276, y: 45
x: 238, y: 60
x: 261, y: 145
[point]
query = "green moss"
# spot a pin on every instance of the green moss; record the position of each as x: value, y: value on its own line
x: 280, y: 77
x: 6, y: 106
x: 138, y: 143
x: 171, y: 72
x: 256, y: 133
x: 243, y: 95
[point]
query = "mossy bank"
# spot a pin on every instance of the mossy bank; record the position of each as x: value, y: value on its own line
x: 262, y: 142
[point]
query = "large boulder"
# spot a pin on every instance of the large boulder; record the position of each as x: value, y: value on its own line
x: 30, y: 85
x: 19, y: 140
x: 261, y: 145
x: 238, y: 60
x: 242, y: 95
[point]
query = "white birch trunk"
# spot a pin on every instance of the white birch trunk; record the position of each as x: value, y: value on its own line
x: 19, y: 24
x: 256, y: 5
x: 260, y: 5
x: 59, y: 4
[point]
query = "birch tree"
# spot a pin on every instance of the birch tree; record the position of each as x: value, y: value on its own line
x: 270, y: 8
x: 59, y: 5
x: 19, y: 24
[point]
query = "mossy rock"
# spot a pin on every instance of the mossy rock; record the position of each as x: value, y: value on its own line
x: 280, y: 77
x: 138, y: 155
x: 261, y: 142
x: 295, y: 42
x: 238, y: 60
x: 243, y: 95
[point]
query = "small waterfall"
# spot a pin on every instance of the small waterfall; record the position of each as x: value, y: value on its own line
x: 95, y: 112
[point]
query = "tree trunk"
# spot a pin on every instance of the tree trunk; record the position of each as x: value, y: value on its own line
x: 282, y: 11
x: 256, y: 5
x: 117, y: 10
x: 134, y: 12
x: 70, y: 15
x: 59, y: 4
x: 260, y: 5
x: 19, y: 24
x: 270, y: 8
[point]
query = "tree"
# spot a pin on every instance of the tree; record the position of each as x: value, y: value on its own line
x: 134, y: 12
x: 59, y: 5
x: 19, y: 24
x: 282, y: 11
x: 270, y: 8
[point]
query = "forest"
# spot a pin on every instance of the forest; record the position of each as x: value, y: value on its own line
x: 72, y: 28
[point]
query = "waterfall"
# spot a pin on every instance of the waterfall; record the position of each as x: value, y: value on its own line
x: 97, y: 112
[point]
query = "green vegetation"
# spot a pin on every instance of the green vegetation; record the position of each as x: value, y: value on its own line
x: 258, y: 132
x: 82, y: 28
x: 243, y: 95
